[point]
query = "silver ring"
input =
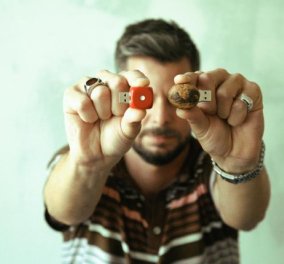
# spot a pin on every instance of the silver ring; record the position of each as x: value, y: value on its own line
x: 247, y: 101
x: 91, y: 84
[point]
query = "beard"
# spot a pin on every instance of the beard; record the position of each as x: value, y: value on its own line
x: 158, y: 158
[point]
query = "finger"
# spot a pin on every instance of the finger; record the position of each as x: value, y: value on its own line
x: 252, y: 90
x: 135, y: 78
x: 81, y: 84
x: 198, y: 122
x: 238, y: 113
x: 101, y: 97
x: 216, y: 77
x: 206, y: 82
x: 116, y: 84
x: 188, y: 77
x: 227, y: 92
x: 77, y: 103
x: 131, y: 122
x: 211, y: 80
x: 239, y: 109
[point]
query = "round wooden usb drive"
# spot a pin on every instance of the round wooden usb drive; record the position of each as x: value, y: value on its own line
x: 183, y: 96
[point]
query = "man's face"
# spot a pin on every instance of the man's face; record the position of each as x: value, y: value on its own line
x: 163, y: 135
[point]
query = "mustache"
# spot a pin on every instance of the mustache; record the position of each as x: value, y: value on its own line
x: 160, y: 131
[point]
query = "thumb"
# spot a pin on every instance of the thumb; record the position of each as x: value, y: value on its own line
x: 131, y: 122
x: 198, y: 121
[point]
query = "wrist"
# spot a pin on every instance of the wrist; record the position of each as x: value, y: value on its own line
x: 88, y: 168
x: 244, y: 176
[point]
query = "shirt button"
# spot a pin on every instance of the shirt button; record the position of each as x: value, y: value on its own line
x: 157, y: 230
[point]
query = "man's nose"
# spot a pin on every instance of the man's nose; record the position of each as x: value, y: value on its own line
x: 162, y: 111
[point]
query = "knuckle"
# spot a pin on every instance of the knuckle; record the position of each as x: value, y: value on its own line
x: 222, y: 71
x: 137, y: 72
x: 100, y: 94
x: 239, y: 106
x: 84, y: 104
x: 123, y: 72
x: 118, y: 82
x: 102, y: 72
x: 223, y: 93
x: 255, y: 87
x: 208, y: 76
x: 237, y: 77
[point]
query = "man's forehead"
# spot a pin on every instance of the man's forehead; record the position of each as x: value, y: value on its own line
x: 149, y: 65
x: 161, y: 75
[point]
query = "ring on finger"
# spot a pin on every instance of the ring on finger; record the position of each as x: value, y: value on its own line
x: 247, y: 101
x: 91, y: 84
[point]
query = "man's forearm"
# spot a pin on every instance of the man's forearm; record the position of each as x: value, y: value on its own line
x: 242, y: 206
x: 72, y: 191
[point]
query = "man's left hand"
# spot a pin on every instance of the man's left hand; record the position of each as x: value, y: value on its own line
x: 226, y: 129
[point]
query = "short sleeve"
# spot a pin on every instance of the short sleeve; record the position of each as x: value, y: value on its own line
x: 53, y: 223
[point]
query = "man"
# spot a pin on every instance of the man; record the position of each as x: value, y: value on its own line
x: 133, y: 185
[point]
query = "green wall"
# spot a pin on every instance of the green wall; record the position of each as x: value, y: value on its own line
x: 48, y: 45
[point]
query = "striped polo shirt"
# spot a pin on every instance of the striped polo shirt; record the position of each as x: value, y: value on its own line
x: 179, y: 225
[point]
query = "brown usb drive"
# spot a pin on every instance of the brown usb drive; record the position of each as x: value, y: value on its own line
x: 186, y: 95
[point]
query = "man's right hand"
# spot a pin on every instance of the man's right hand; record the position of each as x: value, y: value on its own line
x: 100, y: 130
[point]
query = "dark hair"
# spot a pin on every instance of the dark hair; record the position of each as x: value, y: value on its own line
x: 156, y: 38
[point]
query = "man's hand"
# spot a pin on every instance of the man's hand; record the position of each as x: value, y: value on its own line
x: 225, y: 128
x: 99, y: 128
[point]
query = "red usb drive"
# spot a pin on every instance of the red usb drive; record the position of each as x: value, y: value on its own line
x: 138, y: 97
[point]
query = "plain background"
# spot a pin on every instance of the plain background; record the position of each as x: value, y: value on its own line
x: 45, y: 46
